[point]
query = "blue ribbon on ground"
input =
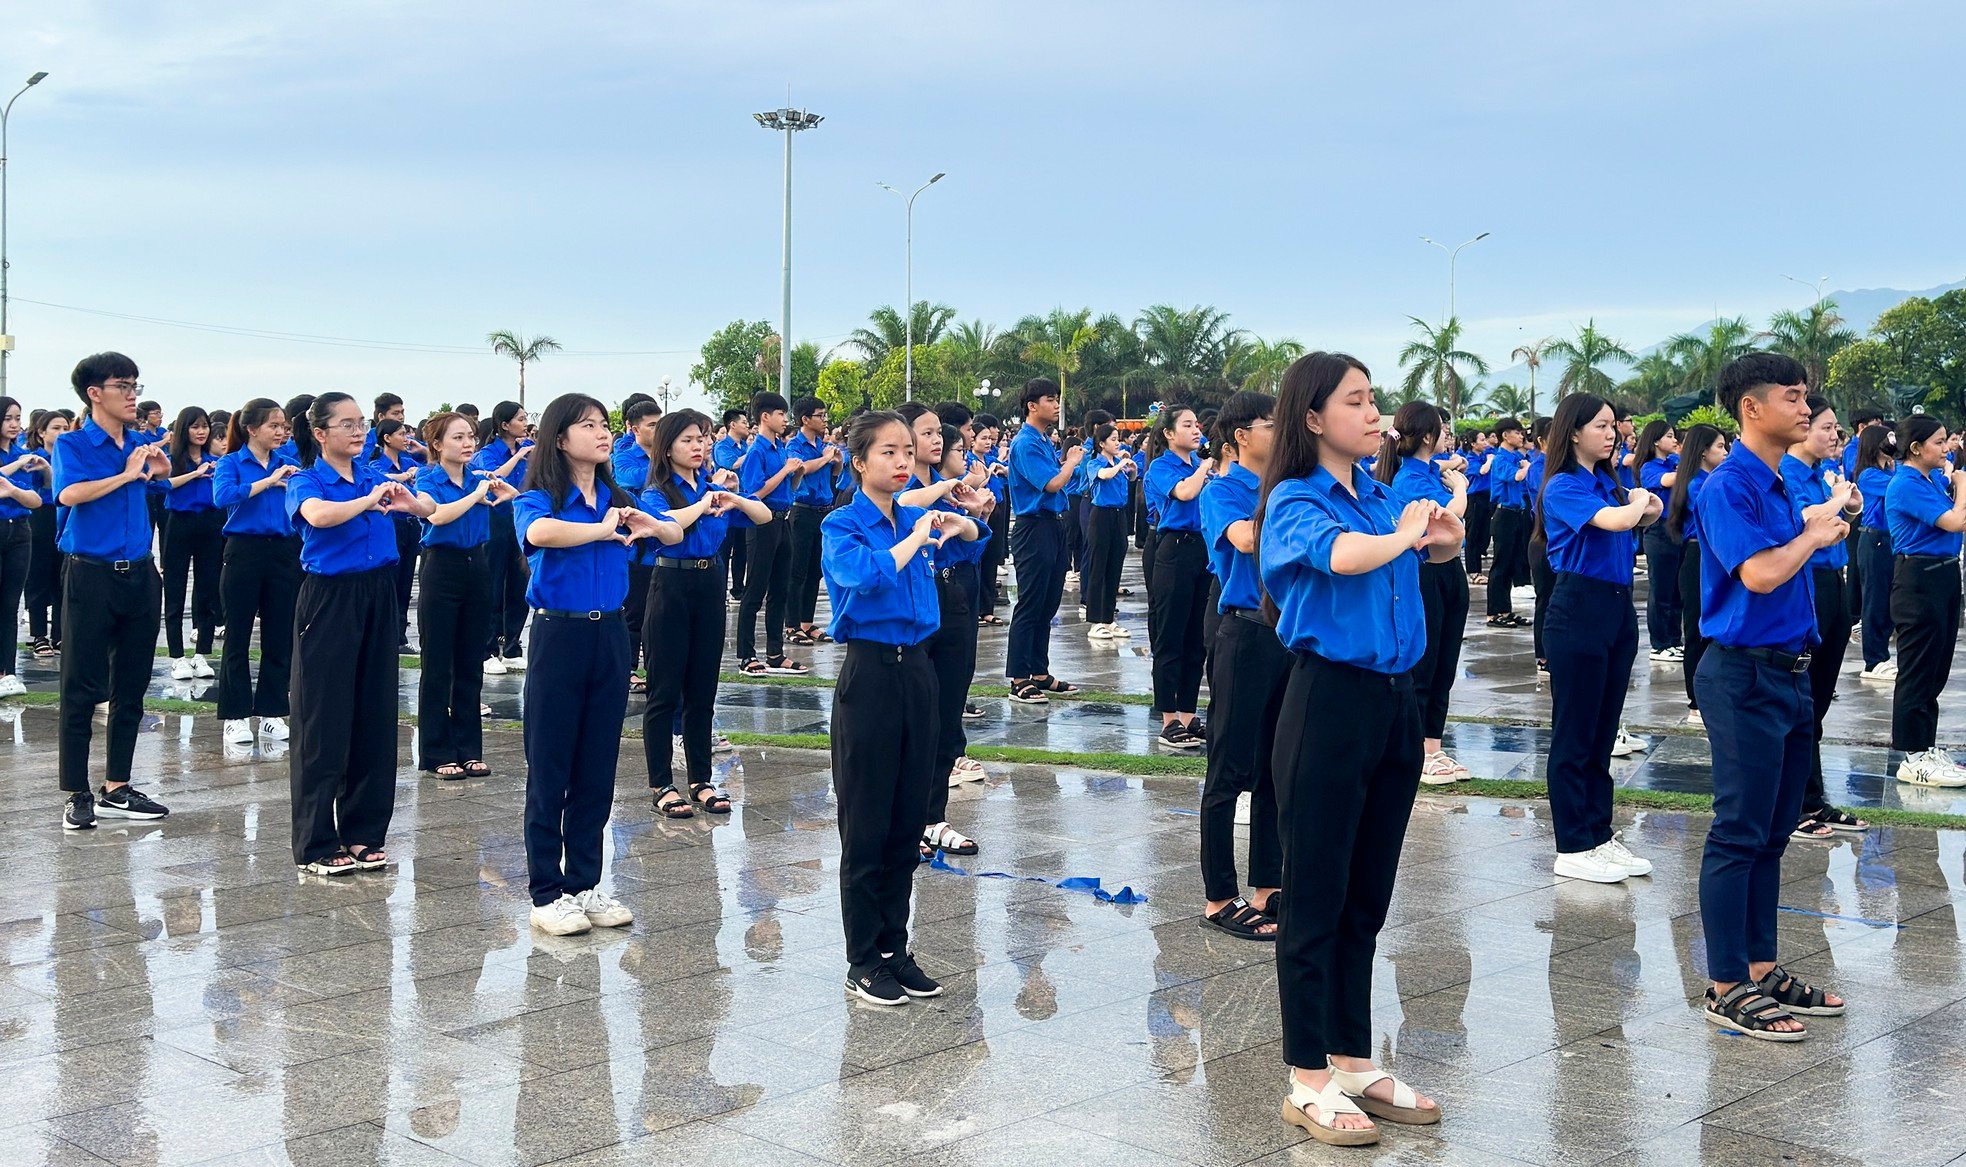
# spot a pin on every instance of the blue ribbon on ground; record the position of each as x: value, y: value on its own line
x: 1080, y: 883
x: 1183, y: 811
x: 1833, y: 916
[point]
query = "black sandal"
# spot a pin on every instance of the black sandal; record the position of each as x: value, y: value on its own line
x: 1027, y: 693
x: 1745, y: 1009
x: 714, y: 803
x: 1051, y: 684
x: 366, y: 858
x: 43, y: 647
x: 670, y: 803
x: 798, y: 636
x: 1241, y: 921
x: 1840, y: 820
x: 753, y: 668
x: 1795, y: 996
x: 989, y: 620
x: 450, y: 771
x: 476, y: 769
x: 1813, y: 829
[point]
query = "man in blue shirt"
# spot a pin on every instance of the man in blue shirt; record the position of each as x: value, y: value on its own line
x: 111, y: 593
x: 812, y: 497
x: 767, y: 475
x: 728, y: 454
x: 1508, y: 473
x: 1038, y: 478
x: 1758, y: 609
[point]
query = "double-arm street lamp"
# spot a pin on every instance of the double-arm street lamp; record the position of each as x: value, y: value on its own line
x: 908, y: 299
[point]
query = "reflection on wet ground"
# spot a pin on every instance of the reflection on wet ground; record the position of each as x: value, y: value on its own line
x: 175, y: 994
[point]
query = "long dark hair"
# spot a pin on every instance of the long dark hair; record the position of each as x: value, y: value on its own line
x: 1162, y: 430
x: 187, y: 417
x: 248, y: 417
x: 1877, y: 448
x: 1573, y: 413
x: 501, y: 416
x: 42, y: 417
x: 7, y: 403
x: 1306, y: 388
x: 383, y: 429
x: 319, y: 414
x: 1648, y: 442
x: 547, y: 469
x: 1915, y: 429
x: 1418, y: 425
x: 1243, y: 409
x: 668, y: 431
x: 1693, y: 447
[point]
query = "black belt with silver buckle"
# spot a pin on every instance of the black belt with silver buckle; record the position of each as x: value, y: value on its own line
x: 556, y: 614
x: 685, y: 564
x: 119, y: 566
x: 1794, y: 662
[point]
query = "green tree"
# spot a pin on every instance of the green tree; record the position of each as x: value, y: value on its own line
x: 507, y: 343
x: 1434, y: 360
x: 1581, y: 360
x: 1188, y: 345
x: 732, y: 370
x: 843, y: 387
x: 1860, y: 374
x: 1531, y: 355
x: 1057, y: 341
x: 887, y: 330
x: 1653, y: 379
x: 1506, y: 400
x: 1702, y: 355
x: 1811, y: 336
x: 1257, y: 364
x: 1927, y: 339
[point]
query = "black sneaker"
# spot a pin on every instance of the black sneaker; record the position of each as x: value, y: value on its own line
x: 80, y: 813
x: 972, y: 711
x: 912, y: 979
x: 877, y: 986
x: 129, y: 803
x: 1176, y: 736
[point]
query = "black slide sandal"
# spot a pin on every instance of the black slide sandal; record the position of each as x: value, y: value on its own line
x: 1241, y: 921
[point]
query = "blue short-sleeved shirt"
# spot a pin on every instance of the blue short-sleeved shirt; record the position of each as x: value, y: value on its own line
x: 816, y: 488
x: 704, y: 538
x: 1570, y: 500
x: 1416, y: 479
x: 472, y: 528
x: 1477, y: 479
x: 1807, y: 488
x: 117, y: 525
x: 871, y: 599
x: 1109, y: 492
x: 1850, y: 459
x: 1912, y: 506
x: 999, y: 483
x: 765, y: 459
x: 592, y: 577
x: 1502, y: 484
x: 1174, y: 513
x: 363, y: 543
x: 957, y: 552
x: 631, y: 465
x: 1227, y: 499
x: 195, y: 495
x: 25, y: 479
x: 1651, y: 474
x: 1747, y: 509
x: 1532, y: 486
x: 726, y: 454
x: 1689, y: 523
x: 262, y: 514
x: 1874, y: 483
x: 1034, y: 461
x: 1620, y: 471
x: 1373, y: 621
x: 495, y: 454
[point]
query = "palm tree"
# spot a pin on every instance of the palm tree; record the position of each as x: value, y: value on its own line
x: 1259, y: 364
x: 1701, y: 356
x: 1506, y: 400
x: 1187, y: 345
x: 1056, y: 341
x: 1653, y: 379
x: 507, y: 343
x: 1582, y: 357
x: 1432, y: 359
x: 1531, y: 354
x: 890, y: 331
x: 1812, y: 337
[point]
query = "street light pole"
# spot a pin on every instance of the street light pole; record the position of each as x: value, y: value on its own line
x: 791, y: 121
x: 665, y: 394
x: 908, y: 297
x: 6, y: 339
x: 1816, y: 287
x: 1452, y: 255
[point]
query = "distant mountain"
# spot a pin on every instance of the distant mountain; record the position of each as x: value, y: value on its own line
x: 1859, y: 309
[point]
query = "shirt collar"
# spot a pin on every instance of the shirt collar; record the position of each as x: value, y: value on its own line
x: 1760, y: 474
x: 1243, y: 476
x: 99, y: 435
x: 1364, y: 484
x: 870, y: 515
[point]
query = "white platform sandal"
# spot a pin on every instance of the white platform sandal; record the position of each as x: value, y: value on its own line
x: 1405, y: 1107
x: 1330, y: 1103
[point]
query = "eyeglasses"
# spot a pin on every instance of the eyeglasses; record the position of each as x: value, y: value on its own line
x: 129, y: 387
x: 346, y: 425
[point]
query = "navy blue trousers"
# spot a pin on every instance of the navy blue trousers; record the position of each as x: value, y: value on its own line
x: 576, y: 695
x: 1874, y: 566
x: 1760, y: 722
x: 1592, y: 638
x: 1663, y: 601
x: 1037, y: 549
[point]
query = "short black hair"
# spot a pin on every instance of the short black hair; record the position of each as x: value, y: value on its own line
x: 1037, y: 389
x: 1865, y: 416
x: 1753, y: 374
x: 638, y: 410
x: 806, y: 407
x: 1506, y: 425
x: 632, y: 400
x: 384, y: 402
x: 145, y: 408
x: 987, y: 421
x: 91, y: 371
x: 767, y: 402
x: 954, y: 413
x: 1095, y: 417
x: 467, y: 409
x: 731, y: 415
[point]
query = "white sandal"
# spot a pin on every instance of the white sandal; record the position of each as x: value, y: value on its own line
x: 1441, y: 770
x: 1404, y: 1108
x: 943, y: 837
x: 1330, y: 1102
x: 969, y: 770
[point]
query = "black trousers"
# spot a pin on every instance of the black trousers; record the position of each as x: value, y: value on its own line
x: 737, y: 553
x: 1149, y: 539
x: 1099, y: 586
x: 409, y: 544
x: 685, y: 617
x: 1247, y: 671
x: 1662, y: 602
x: 952, y: 653
x: 1825, y: 661
x: 43, y: 575
x: 576, y: 695
x: 883, y: 747
x: 1543, y: 578
x: 261, y: 581
x: 16, y: 561
x: 993, y: 557
x: 1444, y: 590
x: 634, y: 610
x: 1853, y: 578
x: 1925, y: 609
x: 1076, y: 530
x: 766, y: 582
x: 1481, y: 510
x: 342, y: 767
x: 1511, y: 566
x: 1691, y: 639
x: 1037, y: 547
x: 1347, y: 764
x: 805, y: 562
x: 1593, y: 639
x: 194, y: 545
x: 1875, y: 558
x: 1176, y: 608
x: 508, y: 587
x: 109, y: 643
x: 453, y: 610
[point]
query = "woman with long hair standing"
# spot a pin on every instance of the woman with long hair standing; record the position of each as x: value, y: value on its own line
x: 1177, y: 599
x: 194, y: 543
x: 19, y: 498
x: 343, y: 765
x: 454, y: 601
x: 1592, y: 633
x: 1406, y: 465
x: 260, y: 577
x: 1341, y: 565
x: 502, y: 450
x: 1702, y: 449
x: 1657, y: 459
x: 1874, y: 465
x: 44, y: 561
x: 1111, y: 471
x: 1481, y: 504
x: 1926, y: 520
x: 393, y: 453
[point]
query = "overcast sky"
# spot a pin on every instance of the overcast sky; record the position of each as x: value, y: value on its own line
x: 419, y: 174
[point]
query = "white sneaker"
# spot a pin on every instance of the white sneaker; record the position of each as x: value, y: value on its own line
x: 562, y: 917
x: 181, y: 669
x: 603, y: 910
x: 1441, y: 770
x: 1881, y: 671
x: 202, y: 668
x: 239, y: 732
x: 495, y: 666
x: 1626, y: 745
x: 1932, y: 767
x: 1668, y: 655
x: 275, y: 728
x: 1596, y: 865
x: 1635, y: 864
x: 1099, y: 632
x: 11, y: 686
x: 1071, y: 579
x: 515, y: 664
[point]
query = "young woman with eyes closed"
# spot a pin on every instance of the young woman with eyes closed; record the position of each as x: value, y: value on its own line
x: 1177, y: 601
x: 1340, y: 564
x: 193, y: 543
